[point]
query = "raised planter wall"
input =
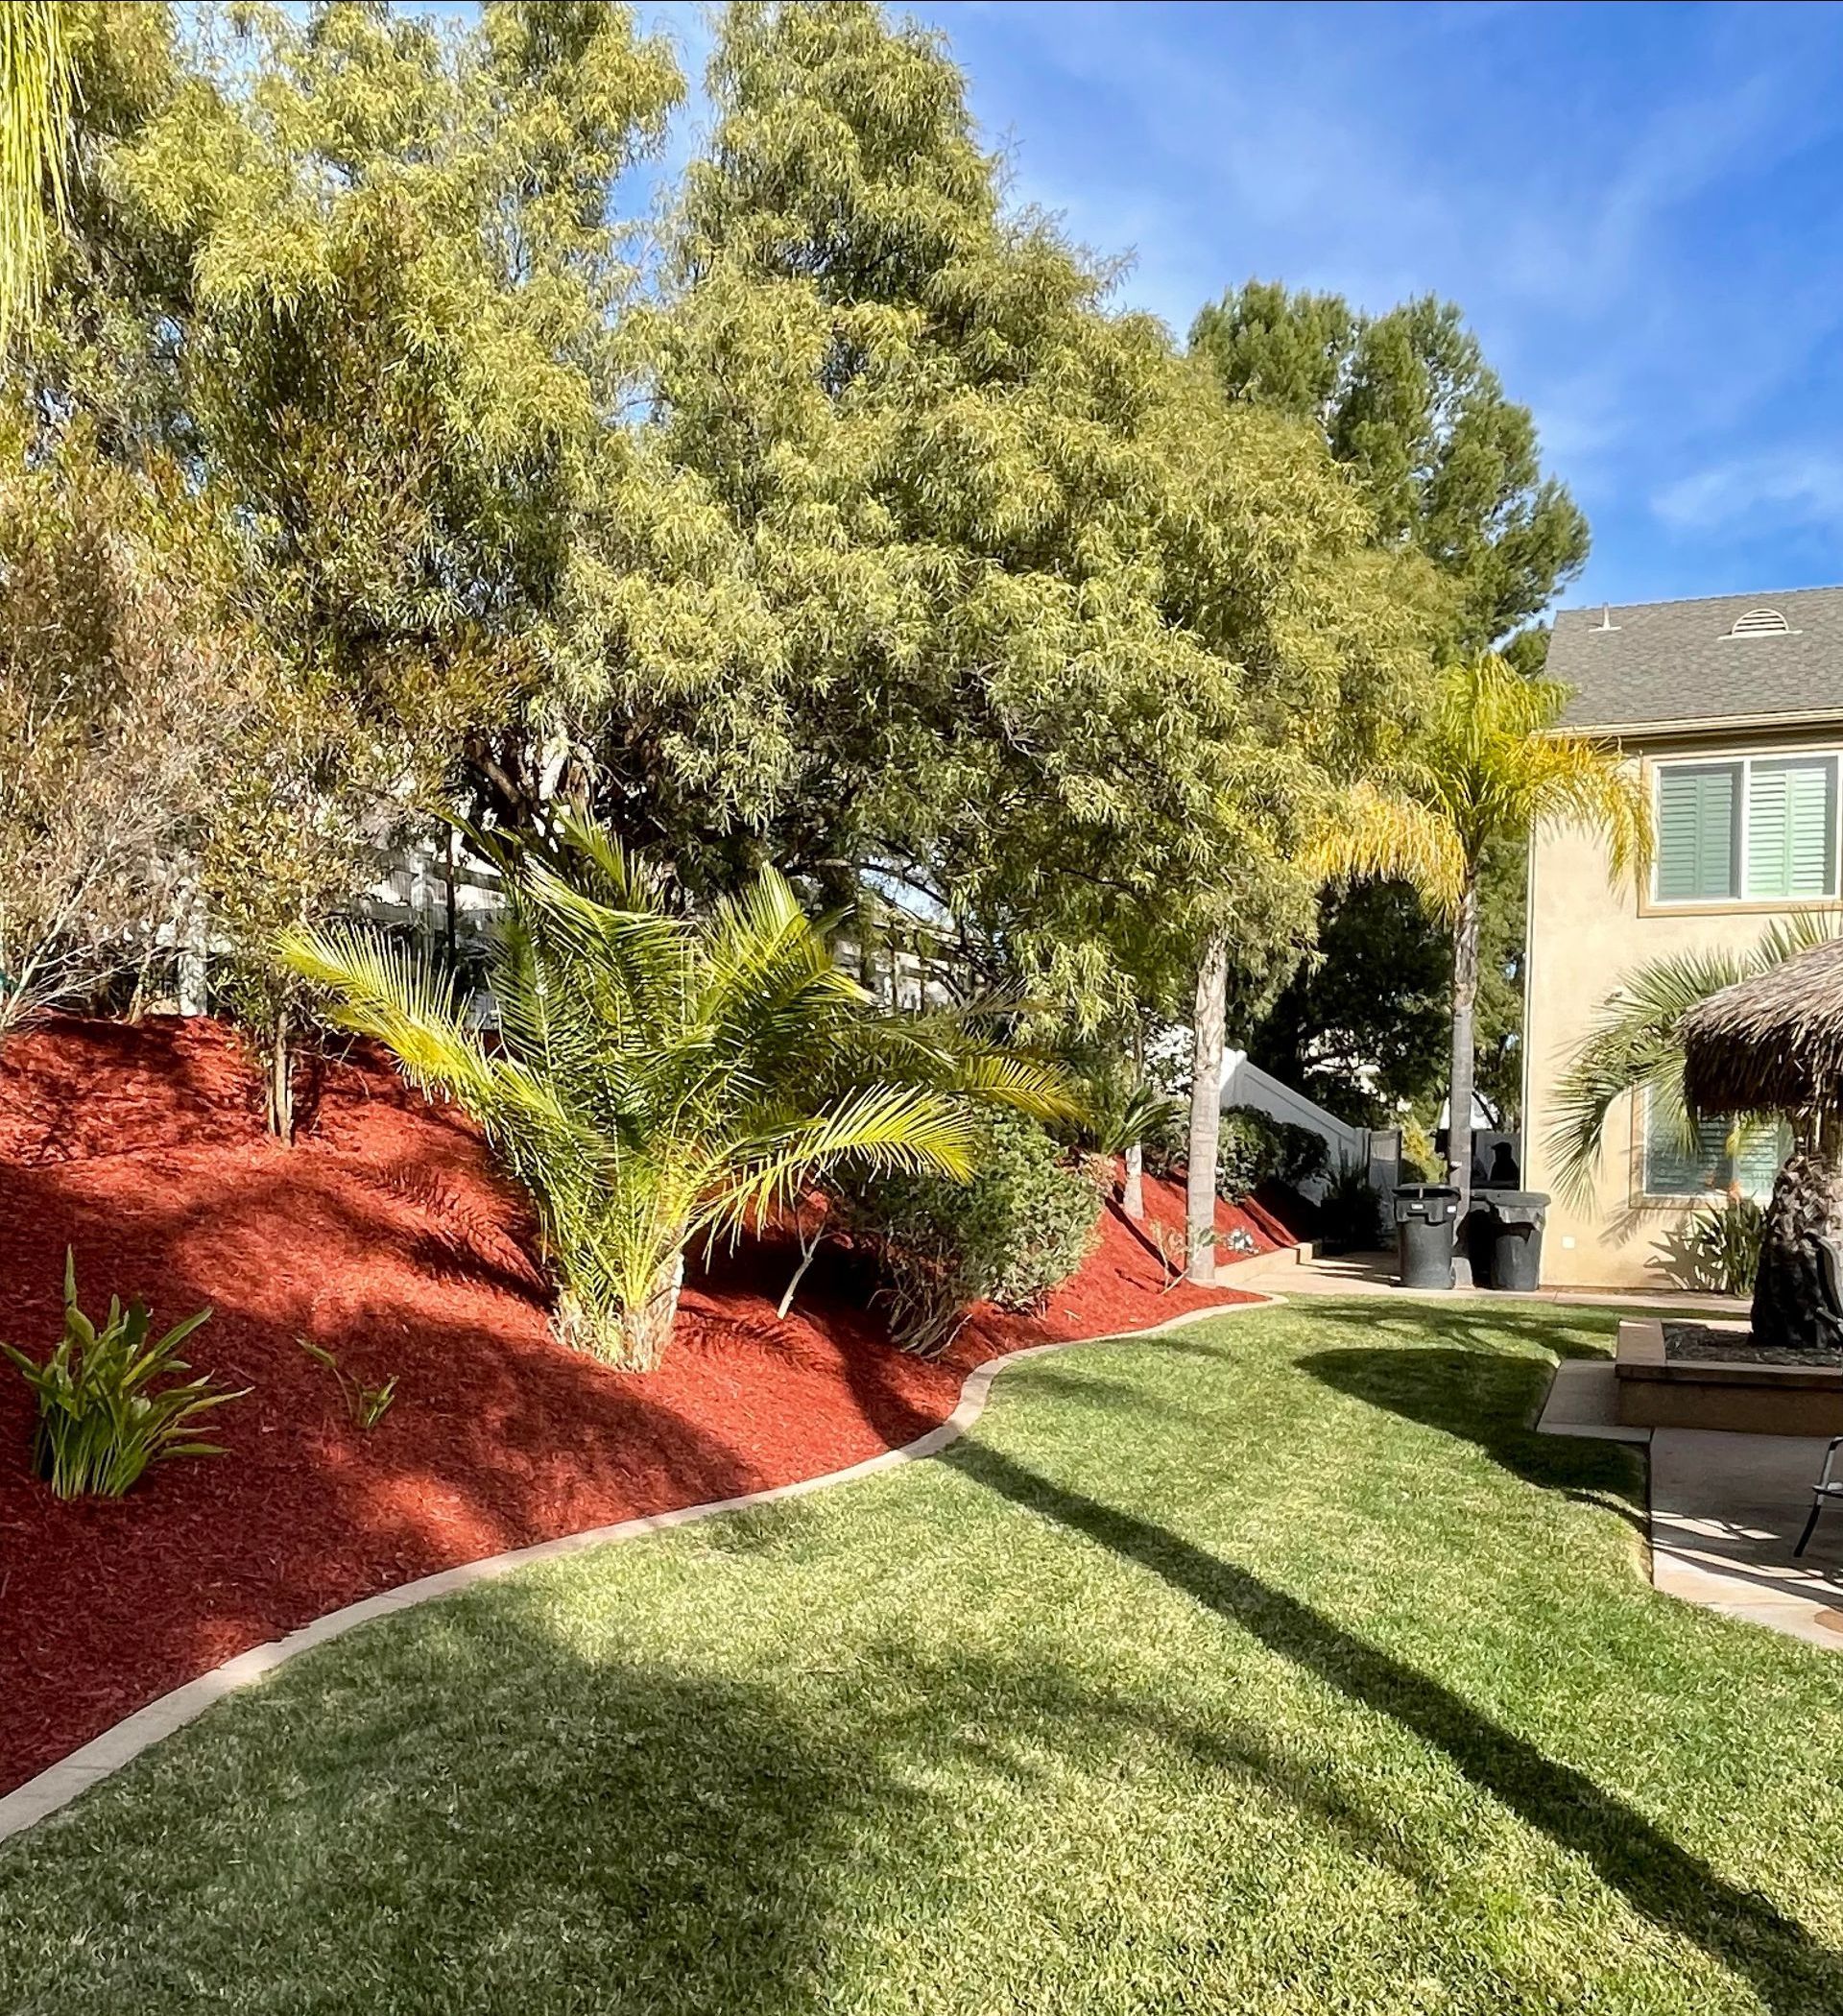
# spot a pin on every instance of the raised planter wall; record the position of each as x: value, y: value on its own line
x: 1733, y: 1394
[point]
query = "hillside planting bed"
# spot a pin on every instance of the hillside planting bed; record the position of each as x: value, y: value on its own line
x: 383, y: 1237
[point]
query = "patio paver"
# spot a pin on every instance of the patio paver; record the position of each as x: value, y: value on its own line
x: 1726, y: 1511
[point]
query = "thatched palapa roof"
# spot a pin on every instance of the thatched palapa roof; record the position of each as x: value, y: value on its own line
x: 1772, y: 1042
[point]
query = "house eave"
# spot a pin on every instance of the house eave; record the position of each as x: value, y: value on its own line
x: 1701, y: 726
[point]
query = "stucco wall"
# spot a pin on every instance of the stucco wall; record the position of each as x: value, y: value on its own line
x: 1584, y: 935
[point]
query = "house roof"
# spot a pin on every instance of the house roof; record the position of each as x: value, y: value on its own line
x: 1658, y: 663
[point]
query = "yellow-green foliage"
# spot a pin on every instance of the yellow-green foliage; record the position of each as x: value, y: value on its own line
x: 934, y: 560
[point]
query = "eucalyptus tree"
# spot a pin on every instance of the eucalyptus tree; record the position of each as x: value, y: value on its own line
x: 34, y: 135
x: 940, y: 574
x: 1451, y: 468
x: 394, y: 261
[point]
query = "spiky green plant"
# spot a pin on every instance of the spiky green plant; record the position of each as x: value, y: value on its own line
x: 660, y: 1077
x: 103, y: 1419
x: 34, y: 127
x: 1633, y: 1046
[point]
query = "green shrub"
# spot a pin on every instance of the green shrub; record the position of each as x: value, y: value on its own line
x: 1256, y: 1149
x: 1025, y: 1221
x: 100, y: 1421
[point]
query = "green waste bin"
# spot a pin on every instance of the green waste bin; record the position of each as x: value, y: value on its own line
x: 1425, y: 1217
x: 1517, y: 1217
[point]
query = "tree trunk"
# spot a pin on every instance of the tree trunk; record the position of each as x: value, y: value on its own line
x: 1788, y: 1291
x: 1133, y: 1194
x: 631, y: 1339
x: 1465, y: 1000
x: 280, y: 1103
x: 1206, y: 1113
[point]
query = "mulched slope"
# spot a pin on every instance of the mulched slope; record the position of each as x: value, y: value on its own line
x: 384, y: 1236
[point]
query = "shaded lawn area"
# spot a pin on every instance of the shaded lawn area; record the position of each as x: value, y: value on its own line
x: 1273, y: 1666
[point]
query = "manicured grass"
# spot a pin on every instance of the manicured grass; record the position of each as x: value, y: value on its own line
x: 1272, y: 1666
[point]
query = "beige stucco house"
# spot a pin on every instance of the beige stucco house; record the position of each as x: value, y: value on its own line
x: 1732, y: 709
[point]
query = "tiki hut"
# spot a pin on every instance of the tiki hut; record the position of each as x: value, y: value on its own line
x: 1773, y: 1043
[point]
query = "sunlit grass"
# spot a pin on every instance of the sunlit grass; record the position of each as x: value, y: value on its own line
x: 1272, y: 1666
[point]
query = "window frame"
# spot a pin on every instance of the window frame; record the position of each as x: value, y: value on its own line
x: 1742, y: 763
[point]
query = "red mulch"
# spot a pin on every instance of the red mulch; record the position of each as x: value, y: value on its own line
x: 383, y: 1237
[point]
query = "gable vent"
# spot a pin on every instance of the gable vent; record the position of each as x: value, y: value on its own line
x: 1761, y: 623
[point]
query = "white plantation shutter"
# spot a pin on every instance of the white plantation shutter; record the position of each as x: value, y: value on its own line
x: 1696, y: 808
x: 1791, y: 825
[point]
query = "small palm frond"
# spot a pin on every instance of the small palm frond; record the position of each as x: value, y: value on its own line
x: 916, y: 1131
x: 1632, y: 1048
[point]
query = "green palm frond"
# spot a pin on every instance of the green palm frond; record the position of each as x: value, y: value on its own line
x: 657, y: 1076
x: 1634, y: 1048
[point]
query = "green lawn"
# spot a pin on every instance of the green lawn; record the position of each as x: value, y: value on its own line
x: 1273, y: 1666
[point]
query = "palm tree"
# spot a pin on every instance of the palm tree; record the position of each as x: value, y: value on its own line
x: 1491, y: 765
x: 35, y: 129
x: 1634, y: 1046
x: 657, y: 1077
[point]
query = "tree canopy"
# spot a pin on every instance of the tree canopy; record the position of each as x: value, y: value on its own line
x: 939, y: 573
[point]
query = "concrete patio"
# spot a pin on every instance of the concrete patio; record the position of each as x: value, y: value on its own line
x: 1726, y: 1511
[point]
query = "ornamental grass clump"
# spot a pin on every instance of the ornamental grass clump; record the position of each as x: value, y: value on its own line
x: 657, y: 1078
x: 103, y: 1416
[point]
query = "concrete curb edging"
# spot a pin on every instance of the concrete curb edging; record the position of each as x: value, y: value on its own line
x: 59, y: 1784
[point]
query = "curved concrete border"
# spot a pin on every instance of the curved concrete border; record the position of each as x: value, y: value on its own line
x: 59, y: 1784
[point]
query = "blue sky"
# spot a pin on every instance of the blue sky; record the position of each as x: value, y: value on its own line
x: 1636, y: 207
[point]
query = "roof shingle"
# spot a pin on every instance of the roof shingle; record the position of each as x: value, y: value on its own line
x: 1678, y: 662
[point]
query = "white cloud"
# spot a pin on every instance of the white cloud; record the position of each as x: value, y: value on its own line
x: 1793, y: 486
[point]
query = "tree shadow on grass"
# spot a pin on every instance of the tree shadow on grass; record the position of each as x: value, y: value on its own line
x: 637, y: 1841
x: 1678, y: 1891
x: 1488, y: 1399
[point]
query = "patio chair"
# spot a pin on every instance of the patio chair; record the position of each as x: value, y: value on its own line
x: 1826, y: 1487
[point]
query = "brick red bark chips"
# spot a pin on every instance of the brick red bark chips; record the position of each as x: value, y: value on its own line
x: 384, y: 1236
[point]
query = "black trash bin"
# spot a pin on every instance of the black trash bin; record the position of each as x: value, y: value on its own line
x: 1425, y: 1214
x: 1516, y: 1237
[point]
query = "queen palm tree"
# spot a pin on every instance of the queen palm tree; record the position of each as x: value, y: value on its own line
x: 659, y: 1077
x: 35, y: 127
x: 1490, y: 764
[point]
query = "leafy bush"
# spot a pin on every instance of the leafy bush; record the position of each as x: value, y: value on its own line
x: 1024, y: 1222
x: 1256, y: 1149
x: 1723, y: 1242
x: 101, y: 1423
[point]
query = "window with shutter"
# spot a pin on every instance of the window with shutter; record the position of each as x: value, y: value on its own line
x: 1674, y: 1169
x: 1791, y: 826
x: 1697, y: 838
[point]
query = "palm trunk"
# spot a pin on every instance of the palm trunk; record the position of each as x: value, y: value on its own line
x: 1465, y: 1001
x: 1206, y: 1113
x: 633, y: 1339
x: 1133, y: 1193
